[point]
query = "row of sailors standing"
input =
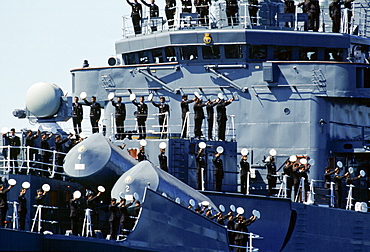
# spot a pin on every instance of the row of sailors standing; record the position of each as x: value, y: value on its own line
x: 163, y: 112
x: 236, y: 223
x: 312, y: 8
x: 202, y: 8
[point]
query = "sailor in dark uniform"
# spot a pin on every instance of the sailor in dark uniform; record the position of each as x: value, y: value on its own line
x: 163, y: 110
x: 91, y: 204
x: 253, y: 9
x: 210, y: 117
x: 289, y: 7
x: 198, y: 117
x: 74, y: 207
x: 125, y: 220
x: 30, y: 141
x: 348, y: 8
x: 59, y: 148
x: 141, y: 155
x: 136, y: 14
x: 201, y: 163
x: 95, y: 113
x: 22, y: 208
x: 120, y: 117
x: 202, y: 7
x: 77, y: 116
x: 3, y: 203
x: 141, y: 116
x: 241, y: 226
x: 153, y: 12
x: 335, y: 14
x: 184, y: 110
x: 14, y: 141
x: 232, y: 9
x: 222, y: 117
x: 170, y: 10
x: 327, y: 177
x: 186, y: 6
x: 244, y: 170
x: 45, y: 153
x: 40, y: 200
x: 113, y: 218
x: 288, y: 170
x: 271, y: 172
x: 218, y: 171
x: 163, y: 160
x: 338, y: 187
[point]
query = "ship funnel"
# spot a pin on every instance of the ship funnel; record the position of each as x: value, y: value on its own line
x: 96, y: 161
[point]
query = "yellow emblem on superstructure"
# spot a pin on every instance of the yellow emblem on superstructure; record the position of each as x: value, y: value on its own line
x: 207, y: 39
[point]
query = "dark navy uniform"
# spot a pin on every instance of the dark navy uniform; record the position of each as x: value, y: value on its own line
x: 125, y: 220
x: 338, y: 189
x: 30, y: 141
x: 253, y: 9
x: 244, y: 166
x: 77, y: 116
x: 198, y: 118
x: 218, y: 172
x: 163, y: 162
x: 154, y: 12
x: 141, y: 116
x: 113, y: 219
x: 22, y: 210
x: 45, y: 155
x: 186, y: 6
x: 271, y: 172
x: 120, y: 118
x: 289, y: 7
x: 74, y: 206
x: 222, y: 118
x: 210, y: 118
x: 59, y: 148
x: 163, y: 109
x: 232, y: 11
x: 13, y: 141
x: 170, y: 10
x: 202, y: 7
x: 288, y: 170
x: 3, y: 205
x: 184, y: 109
x: 95, y: 113
x: 201, y: 163
x: 141, y: 156
x: 136, y: 14
x: 335, y: 13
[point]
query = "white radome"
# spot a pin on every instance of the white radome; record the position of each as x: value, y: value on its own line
x: 43, y: 99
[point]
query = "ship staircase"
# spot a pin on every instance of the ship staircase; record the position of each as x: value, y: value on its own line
x: 179, y: 159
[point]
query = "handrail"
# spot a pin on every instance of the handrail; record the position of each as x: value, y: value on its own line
x: 27, y: 159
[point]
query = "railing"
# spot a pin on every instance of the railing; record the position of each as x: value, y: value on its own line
x: 26, y: 161
x: 217, y: 19
x: 249, y: 247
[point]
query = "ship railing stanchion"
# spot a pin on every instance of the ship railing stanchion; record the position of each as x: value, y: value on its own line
x: 248, y: 177
x: 53, y: 168
x: 186, y: 122
x: 37, y: 218
x: 202, y: 176
x: 112, y: 126
x: 283, y: 189
x: 15, y: 215
x: 296, y: 18
x: 28, y: 159
x: 87, y: 223
x: 8, y: 158
x: 233, y: 137
x: 332, y: 194
x: 349, y: 197
x: 311, y: 193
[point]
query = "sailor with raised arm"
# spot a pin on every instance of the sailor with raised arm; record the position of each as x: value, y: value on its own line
x: 136, y: 14
x: 153, y: 12
x: 3, y: 203
x: 95, y: 113
x: 141, y: 115
x: 120, y: 115
x: 163, y: 110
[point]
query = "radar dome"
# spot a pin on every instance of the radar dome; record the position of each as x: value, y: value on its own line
x: 43, y: 99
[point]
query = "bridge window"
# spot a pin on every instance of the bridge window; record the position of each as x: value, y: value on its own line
x: 308, y: 53
x: 157, y: 55
x: 233, y: 52
x: 334, y: 54
x: 211, y: 52
x: 144, y: 57
x: 170, y: 54
x: 283, y: 53
x: 257, y: 52
x: 129, y: 58
x: 189, y: 52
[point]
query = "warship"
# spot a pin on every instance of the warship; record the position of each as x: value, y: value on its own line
x: 295, y: 94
